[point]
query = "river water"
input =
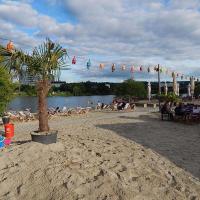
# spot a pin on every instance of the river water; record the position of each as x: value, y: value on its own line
x: 21, y: 103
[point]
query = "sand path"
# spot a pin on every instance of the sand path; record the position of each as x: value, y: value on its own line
x: 118, y: 156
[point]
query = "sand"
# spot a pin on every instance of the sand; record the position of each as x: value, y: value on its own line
x: 104, y: 156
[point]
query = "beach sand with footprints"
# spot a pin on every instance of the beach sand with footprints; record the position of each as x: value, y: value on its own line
x: 104, y: 156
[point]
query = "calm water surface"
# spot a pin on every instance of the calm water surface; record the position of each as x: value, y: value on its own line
x: 21, y: 103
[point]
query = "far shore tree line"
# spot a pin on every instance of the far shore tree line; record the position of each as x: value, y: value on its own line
x: 127, y: 88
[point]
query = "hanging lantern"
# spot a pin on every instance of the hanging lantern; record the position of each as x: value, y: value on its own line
x: 64, y: 50
x: 88, y: 64
x: 113, y: 67
x: 10, y: 46
x: 74, y: 60
x: 101, y: 66
x: 123, y: 67
x: 132, y: 69
x: 141, y: 68
x: 138, y: 68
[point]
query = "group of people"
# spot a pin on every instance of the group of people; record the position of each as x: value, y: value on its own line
x: 119, y: 104
x: 180, y: 109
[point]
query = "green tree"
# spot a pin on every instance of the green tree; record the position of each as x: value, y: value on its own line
x: 131, y: 88
x: 42, y: 63
x: 76, y: 91
x: 6, y: 89
x: 197, y: 90
x: 171, y: 96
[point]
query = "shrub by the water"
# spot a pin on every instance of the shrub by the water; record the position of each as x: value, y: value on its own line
x: 170, y: 97
x: 6, y: 89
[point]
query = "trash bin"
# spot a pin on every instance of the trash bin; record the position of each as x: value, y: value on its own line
x: 9, y: 130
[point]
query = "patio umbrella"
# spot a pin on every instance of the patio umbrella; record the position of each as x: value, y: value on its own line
x: 192, y: 82
x: 177, y: 89
x: 174, y: 83
x: 149, y: 91
x: 166, y: 88
x: 189, y: 90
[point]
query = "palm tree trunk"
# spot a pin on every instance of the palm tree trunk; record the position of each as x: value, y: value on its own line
x: 42, y: 89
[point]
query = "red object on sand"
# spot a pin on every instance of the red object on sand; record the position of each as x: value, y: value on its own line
x: 9, y: 130
x: 7, y: 141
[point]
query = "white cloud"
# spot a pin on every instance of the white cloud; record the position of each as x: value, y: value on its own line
x: 132, y: 31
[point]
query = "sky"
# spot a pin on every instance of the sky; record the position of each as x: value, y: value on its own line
x: 130, y: 32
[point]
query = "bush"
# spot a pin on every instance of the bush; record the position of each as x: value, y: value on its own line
x: 170, y: 97
x: 6, y: 89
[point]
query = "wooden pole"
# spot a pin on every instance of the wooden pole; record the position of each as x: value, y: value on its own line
x: 159, y: 86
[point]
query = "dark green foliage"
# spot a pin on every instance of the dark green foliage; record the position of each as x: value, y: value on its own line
x: 6, y: 89
x: 87, y: 88
x: 197, y: 90
x: 170, y: 97
x: 29, y: 90
x: 131, y: 88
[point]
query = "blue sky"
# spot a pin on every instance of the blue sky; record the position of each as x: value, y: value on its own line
x: 130, y: 32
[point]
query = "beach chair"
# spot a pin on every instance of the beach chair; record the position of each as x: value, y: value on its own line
x: 127, y: 107
x: 14, y: 116
x: 29, y: 115
x: 165, y: 116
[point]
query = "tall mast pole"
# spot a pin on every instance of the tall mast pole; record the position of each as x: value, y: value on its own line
x: 159, y: 86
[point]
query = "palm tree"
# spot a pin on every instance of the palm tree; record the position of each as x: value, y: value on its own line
x: 41, y: 63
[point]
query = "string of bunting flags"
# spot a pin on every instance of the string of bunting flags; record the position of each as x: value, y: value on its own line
x: 141, y: 68
x: 150, y: 69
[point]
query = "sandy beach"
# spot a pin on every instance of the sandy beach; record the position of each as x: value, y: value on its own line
x: 104, y: 156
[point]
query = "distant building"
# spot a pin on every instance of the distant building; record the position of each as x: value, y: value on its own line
x: 26, y: 79
x: 57, y: 83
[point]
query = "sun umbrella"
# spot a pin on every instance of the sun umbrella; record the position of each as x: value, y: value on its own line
x: 174, y: 83
x: 189, y: 90
x: 149, y: 91
x: 177, y: 89
x: 192, y: 82
x: 166, y: 88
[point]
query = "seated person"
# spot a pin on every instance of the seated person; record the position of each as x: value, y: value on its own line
x: 120, y: 106
x: 127, y: 106
x: 57, y: 110
x: 179, y: 110
x: 166, y: 109
x: 196, y: 110
x: 98, y: 105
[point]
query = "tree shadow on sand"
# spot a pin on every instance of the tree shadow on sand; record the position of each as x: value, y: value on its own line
x: 177, y: 142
